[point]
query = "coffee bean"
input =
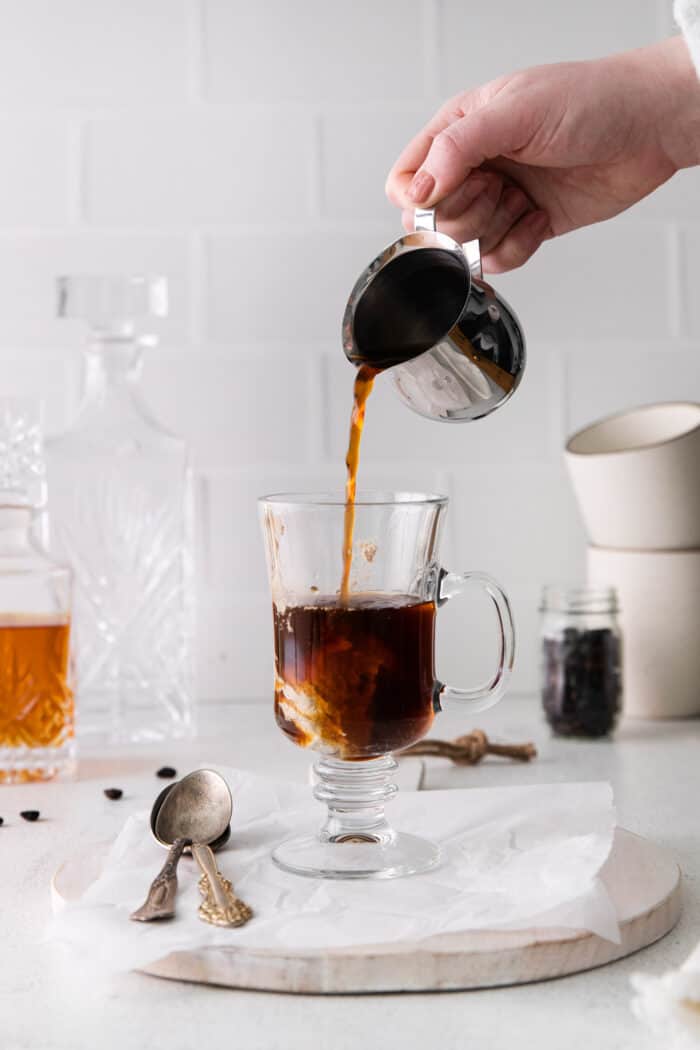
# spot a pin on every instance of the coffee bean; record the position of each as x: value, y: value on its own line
x: 30, y: 814
x: 1, y: 822
x: 166, y: 773
x: 113, y: 793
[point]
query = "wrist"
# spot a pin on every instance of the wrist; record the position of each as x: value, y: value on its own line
x: 670, y: 88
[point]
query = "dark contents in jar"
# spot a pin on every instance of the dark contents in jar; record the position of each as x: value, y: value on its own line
x: 581, y: 682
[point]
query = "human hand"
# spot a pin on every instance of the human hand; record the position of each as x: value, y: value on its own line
x: 541, y: 152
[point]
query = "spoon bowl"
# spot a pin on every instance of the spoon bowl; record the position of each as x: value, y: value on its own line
x: 215, y: 845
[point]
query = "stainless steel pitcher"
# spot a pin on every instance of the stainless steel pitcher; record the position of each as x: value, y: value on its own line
x: 422, y: 309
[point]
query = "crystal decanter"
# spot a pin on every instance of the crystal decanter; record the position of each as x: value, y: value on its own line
x: 120, y: 498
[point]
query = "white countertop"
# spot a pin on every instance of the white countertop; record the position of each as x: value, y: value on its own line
x: 48, y: 1004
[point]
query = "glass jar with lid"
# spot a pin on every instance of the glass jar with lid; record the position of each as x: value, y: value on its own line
x: 581, y: 660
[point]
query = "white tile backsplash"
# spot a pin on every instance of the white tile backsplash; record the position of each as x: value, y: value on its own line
x: 610, y: 379
x: 678, y: 199
x: 234, y: 657
x: 105, y: 52
x: 242, y: 151
x: 164, y: 162
x: 275, y: 51
x: 604, y: 281
x: 358, y: 148
x: 284, y: 287
x: 479, y: 42
x: 35, y: 173
x: 690, y: 277
x: 235, y: 409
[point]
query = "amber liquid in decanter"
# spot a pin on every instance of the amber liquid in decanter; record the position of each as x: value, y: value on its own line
x: 36, y: 701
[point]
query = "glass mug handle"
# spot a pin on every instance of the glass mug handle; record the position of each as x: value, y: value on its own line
x: 451, y: 585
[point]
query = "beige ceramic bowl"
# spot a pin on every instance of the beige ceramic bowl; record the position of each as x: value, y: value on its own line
x: 659, y: 595
x: 637, y: 477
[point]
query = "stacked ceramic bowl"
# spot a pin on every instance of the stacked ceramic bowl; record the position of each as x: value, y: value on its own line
x: 637, y: 479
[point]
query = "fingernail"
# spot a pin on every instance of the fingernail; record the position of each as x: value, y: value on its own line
x: 422, y: 186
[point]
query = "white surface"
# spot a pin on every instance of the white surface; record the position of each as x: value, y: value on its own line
x: 656, y: 779
x: 242, y: 149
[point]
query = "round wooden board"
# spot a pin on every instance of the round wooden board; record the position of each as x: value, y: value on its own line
x: 642, y: 879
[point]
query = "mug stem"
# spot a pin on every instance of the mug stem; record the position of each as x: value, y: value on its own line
x: 356, y: 793
x: 356, y: 841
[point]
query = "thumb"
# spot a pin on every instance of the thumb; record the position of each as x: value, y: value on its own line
x: 497, y: 129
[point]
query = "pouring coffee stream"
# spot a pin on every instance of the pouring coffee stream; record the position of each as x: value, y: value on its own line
x: 362, y: 388
x: 455, y: 349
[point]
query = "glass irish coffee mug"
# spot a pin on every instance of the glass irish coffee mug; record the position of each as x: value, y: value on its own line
x: 355, y: 677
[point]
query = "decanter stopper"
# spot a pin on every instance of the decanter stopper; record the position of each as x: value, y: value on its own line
x: 112, y: 304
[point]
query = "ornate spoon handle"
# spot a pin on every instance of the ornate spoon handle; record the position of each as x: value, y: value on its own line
x: 160, y: 902
x: 221, y: 906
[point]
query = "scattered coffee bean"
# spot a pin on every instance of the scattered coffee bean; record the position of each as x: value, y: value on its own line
x: 1, y: 822
x: 166, y: 773
x: 113, y: 793
x: 30, y: 814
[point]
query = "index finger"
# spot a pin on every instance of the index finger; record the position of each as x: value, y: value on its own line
x: 413, y: 155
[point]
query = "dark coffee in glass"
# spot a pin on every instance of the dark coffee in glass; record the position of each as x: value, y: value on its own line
x: 368, y: 667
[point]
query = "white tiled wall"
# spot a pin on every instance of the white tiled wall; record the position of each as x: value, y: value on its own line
x: 241, y: 148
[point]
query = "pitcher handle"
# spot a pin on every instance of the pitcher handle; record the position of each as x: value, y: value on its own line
x: 472, y: 250
x: 424, y: 219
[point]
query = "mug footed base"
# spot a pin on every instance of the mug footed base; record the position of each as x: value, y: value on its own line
x: 352, y: 859
x: 356, y: 841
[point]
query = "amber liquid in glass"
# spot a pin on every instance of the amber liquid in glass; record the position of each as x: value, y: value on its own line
x: 36, y: 701
x: 355, y: 679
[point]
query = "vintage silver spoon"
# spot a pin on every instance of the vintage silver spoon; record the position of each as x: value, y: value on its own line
x: 193, y: 814
x: 160, y: 902
x: 199, y: 809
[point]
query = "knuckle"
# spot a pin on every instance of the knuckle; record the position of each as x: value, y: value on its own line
x: 389, y: 189
x: 510, y: 254
x: 446, y: 145
x: 514, y: 201
x: 516, y: 252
